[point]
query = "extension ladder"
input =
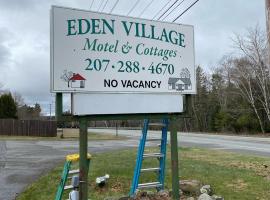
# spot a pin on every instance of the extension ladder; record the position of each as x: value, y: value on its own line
x: 161, y: 156
x: 66, y: 172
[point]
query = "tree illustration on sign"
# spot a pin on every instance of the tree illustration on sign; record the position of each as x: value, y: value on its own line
x: 185, y: 73
x: 74, y: 80
x: 66, y: 76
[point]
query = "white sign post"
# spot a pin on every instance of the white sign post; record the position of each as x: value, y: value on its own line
x: 101, y: 53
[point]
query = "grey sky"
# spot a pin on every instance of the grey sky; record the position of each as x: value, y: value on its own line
x: 25, y: 47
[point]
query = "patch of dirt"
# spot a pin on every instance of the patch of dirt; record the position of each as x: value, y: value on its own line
x: 260, y: 168
x: 99, y: 190
x: 146, y: 196
x: 238, y: 185
x: 163, y: 195
x: 117, y: 186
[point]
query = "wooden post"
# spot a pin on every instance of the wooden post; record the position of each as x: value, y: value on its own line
x: 116, y: 128
x: 83, y: 190
x: 174, y: 159
x: 58, y: 105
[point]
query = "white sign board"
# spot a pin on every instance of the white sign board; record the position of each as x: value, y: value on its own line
x: 100, y: 53
x: 95, y: 104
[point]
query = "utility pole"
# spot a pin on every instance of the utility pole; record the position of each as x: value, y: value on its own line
x: 267, y: 13
x: 50, y: 111
x: 116, y: 128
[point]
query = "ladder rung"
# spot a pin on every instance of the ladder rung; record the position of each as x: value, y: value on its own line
x: 150, y: 169
x: 68, y: 187
x: 155, y: 155
x: 149, y: 185
x: 154, y: 139
x: 157, y: 124
x: 76, y: 171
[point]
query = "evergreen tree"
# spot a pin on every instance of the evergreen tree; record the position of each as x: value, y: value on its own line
x: 8, y: 108
x: 200, y: 102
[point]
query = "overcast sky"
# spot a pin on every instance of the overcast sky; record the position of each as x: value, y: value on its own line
x: 25, y: 46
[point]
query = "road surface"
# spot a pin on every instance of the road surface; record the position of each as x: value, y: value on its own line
x: 22, y: 162
x: 250, y: 145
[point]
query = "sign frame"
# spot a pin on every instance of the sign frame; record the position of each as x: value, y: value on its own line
x: 52, y: 32
x: 83, y: 120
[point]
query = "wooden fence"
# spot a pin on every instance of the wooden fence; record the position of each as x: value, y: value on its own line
x: 41, y: 128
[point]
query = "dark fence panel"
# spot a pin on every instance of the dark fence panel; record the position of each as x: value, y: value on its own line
x: 41, y: 128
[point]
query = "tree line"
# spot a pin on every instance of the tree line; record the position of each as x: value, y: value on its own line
x: 13, y: 107
x: 235, y: 96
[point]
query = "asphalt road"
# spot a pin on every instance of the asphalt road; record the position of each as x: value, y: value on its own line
x: 249, y: 145
x: 22, y: 162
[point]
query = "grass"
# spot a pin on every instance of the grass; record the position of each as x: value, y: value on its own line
x: 104, y: 136
x: 233, y: 176
x: 91, y: 136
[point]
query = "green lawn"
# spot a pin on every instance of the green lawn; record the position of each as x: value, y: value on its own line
x: 233, y: 176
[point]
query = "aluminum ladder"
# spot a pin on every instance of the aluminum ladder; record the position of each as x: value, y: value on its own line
x: 66, y: 172
x: 141, y: 155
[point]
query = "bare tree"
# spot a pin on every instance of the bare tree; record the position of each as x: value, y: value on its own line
x: 253, y: 47
x: 225, y: 71
x: 18, y: 99
x: 244, y: 77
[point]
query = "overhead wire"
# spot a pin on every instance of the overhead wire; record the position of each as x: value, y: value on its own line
x: 133, y: 7
x: 146, y: 8
x: 166, y: 13
x: 91, y: 4
x: 104, y: 5
x: 185, y: 10
x: 168, y: 9
x: 161, y: 9
x: 115, y: 4
x: 173, y: 9
x: 101, y: 2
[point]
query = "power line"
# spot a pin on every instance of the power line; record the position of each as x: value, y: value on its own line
x: 161, y: 10
x: 92, y: 4
x: 101, y: 2
x: 173, y: 9
x: 146, y: 8
x: 114, y: 6
x: 104, y: 5
x: 168, y: 9
x: 185, y: 10
x: 133, y: 7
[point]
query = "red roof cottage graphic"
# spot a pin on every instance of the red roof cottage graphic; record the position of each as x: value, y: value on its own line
x: 74, y: 80
x: 77, y: 81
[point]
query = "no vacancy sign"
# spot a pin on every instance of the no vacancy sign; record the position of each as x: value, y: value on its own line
x: 100, y: 53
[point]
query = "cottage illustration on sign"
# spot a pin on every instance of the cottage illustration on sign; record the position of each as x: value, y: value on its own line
x: 180, y: 83
x: 74, y: 80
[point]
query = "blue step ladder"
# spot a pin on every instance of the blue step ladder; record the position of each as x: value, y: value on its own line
x: 161, y: 156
